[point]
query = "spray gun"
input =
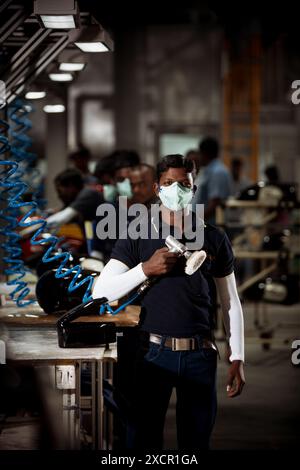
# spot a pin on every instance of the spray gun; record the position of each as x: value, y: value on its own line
x: 77, y: 334
x: 193, y: 260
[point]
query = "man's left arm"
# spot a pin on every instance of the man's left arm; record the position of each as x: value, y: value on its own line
x: 234, y: 327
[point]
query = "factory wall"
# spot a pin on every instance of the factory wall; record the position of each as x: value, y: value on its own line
x: 168, y: 80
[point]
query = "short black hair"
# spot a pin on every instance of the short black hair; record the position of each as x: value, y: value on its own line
x: 146, y: 166
x: 81, y: 152
x: 125, y: 158
x: 70, y: 177
x: 105, y: 166
x: 173, y: 161
x: 209, y: 147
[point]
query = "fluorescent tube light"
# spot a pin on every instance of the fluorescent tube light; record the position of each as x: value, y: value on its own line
x: 58, y: 21
x: 92, y: 46
x: 35, y: 95
x: 54, y: 108
x: 61, y: 77
x: 71, y: 66
x: 57, y: 14
x: 94, y: 38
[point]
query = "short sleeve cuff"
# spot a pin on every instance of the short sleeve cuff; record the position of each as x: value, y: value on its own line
x: 223, y: 274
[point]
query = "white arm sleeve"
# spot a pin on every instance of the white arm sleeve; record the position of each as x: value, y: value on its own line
x: 62, y: 217
x: 116, y: 280
x: 232, y: 315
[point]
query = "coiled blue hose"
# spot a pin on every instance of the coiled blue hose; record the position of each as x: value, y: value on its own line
x: 11, y: 245
x: 64, y: 257
x: 20, y: 144
x: 13, y: 190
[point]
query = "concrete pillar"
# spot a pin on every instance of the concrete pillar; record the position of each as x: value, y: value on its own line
x: 56, y: 153
x: 126, y: 89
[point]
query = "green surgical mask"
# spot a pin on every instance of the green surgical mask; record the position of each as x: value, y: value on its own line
x: 109, y: 192
x: 175, y: 197
x: 124, y: 188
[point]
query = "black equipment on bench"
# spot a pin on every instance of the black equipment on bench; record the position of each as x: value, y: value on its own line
x: 53, y: 294
x: 85, y: 334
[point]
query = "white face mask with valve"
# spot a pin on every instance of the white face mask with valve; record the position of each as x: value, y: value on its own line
x: 175, y: 197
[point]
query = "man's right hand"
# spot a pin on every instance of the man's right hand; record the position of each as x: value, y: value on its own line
x: 161, y: 262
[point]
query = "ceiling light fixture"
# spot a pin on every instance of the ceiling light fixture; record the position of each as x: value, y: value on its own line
x: 71, y: 66
x: 35, y: 95
x: 54, y: 108
x: 61, y: 77
x: 94, y: 39
x: 57, y: 14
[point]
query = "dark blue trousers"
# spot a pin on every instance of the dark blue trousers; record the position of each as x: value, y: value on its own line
x: 193, y: 374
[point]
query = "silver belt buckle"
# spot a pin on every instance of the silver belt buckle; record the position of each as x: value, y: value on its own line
x: 183, y: 344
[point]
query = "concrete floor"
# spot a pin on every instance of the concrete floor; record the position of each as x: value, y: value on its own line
x: 267, y: 414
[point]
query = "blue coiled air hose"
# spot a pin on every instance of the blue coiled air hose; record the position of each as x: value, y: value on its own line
x: 14, y: 188
x: 12, y: 192
x: 11, y: 245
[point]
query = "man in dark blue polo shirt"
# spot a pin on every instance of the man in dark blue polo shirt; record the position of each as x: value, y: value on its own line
x: 176, y: 317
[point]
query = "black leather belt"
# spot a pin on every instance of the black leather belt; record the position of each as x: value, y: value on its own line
x: 183, y: 344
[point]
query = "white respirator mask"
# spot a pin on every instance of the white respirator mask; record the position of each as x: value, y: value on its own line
x: 175, y: 197
x: 124, y: 188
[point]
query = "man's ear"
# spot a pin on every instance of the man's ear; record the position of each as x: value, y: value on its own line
x: 156, y: 188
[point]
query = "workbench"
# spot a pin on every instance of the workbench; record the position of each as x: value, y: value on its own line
x: 31, y: 339
x: 34, y: 316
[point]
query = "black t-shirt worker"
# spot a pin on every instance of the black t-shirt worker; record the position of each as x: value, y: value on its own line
x: 80, y: 202
x: 176, y: 314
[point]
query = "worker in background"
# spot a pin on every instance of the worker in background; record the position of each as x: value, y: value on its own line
x: 272, y: 174
x: 114, y: 172
x: 80, y: 203
x: 142, y: 181
x: 105, y: 174
x: 238, y: 180
x: 194, y: 156
x: 215, y: 182
x: 80, y: 160
x: 125, y: 160
x: 177, y: 306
